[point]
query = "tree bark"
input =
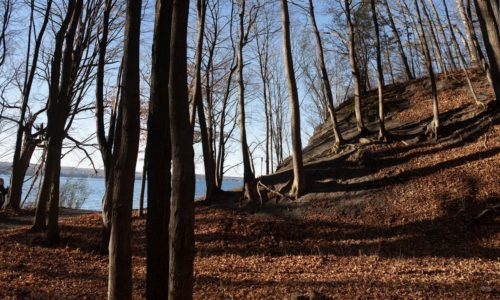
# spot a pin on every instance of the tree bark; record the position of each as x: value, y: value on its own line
x: 394, y: 29
x: 434, y: 39
x: 327, y: 89
x: 120, y: 272
x: 19, y: 166
x: 208, y: 160
x: 434, y: 125
x: 299, y: 180
x: 56, y: 112
x: 183, y: 176
x: 441, y: 31
x: 354, y: 69
x: 380, y: 73
x: 158, y: 157
x: 491, y: 38
x: 461, y: 58
x: 250, y: 185
x: 469, y: 33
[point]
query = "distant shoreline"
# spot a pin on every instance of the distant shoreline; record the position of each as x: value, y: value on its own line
x: 5, y: 168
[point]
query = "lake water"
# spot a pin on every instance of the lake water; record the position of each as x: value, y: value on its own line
x: 93, y: 188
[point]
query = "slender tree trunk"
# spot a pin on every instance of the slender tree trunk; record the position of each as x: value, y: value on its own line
x: 250, y: 185
x: 380, y: 73
x: 461, y: 58
x: 53, y: 220
x: 434, y: 125
x: 55, y: 109
x: 469, y: 33
x: 18, y: 164
x: 395, y: 31
x: 441, y: 31
x: 105, y: 143
x: 209, y: 164
x: 434, y: 39
x: 158, y: 157
x: 60, y: 107
x: 324, y: 78
x: 299, y: 181
x: 120, y: 271
x: 491, y: 38
x: 183, y: 177
x: 355, y: 70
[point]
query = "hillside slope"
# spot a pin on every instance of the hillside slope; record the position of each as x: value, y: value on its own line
x: 409, y: 218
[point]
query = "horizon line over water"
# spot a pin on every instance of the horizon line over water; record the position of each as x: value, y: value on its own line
x: 94, y: 187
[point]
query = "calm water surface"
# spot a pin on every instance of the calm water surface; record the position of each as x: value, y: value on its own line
x: 94, y: 187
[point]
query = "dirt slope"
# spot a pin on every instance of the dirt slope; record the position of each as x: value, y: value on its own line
x: 381, y: 221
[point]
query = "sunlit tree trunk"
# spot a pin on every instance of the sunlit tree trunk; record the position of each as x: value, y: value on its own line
x: 395, y: 32
x: 325, y: 79
x: 355, y: 69
x: 491, y: 38
x: 434, y: 125
x: 299, y: 180
x: 380, y: 73
x: 250, y: 185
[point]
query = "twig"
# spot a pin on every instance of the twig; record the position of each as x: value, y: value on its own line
x: 259, y: 183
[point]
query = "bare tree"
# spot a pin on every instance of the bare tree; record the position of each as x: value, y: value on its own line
x: 491, y: 37
x: 395, y: 31
x: 120, y: 272
x: 327, y: 89
x: 433, y: 127
x: 183, y: 178
x: 24, y: 150
x: 250, y: 185
x: 299, y: 181
x: 208, y: 158
x: 380, y: 73
x: 158, y: 157
x: 354, y: 67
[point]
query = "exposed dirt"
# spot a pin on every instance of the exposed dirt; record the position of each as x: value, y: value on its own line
x: 381, y: 220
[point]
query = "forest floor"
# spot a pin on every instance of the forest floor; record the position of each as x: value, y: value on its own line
x: 408, y: 218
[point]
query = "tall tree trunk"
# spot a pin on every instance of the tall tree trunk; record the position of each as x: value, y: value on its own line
x: 158, y: 157
x: 55, y: 111
x: 120, y: 271
x: 183, y: 177
x: 380, y: 73
x: 441, y: 31
x: 208, y: 160
x: 299, y: 180
x: 461, y: 58
x: 355, y: 70
x: 250, y: 185
x: 19, y: 167
x: 434, y: 39
x: 60, y: 107
x: 105, y: 143
x: 469, y: 33
x: 434, y: 125
x: 491, y: 38
x: 327, y: 89
x: 395, y: 31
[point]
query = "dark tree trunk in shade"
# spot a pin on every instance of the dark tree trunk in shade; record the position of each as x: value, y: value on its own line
x: 158, y: 158
x: 120, y: 269
x: 181, y: 227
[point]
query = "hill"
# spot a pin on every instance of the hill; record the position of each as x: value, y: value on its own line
x: 407, y: 218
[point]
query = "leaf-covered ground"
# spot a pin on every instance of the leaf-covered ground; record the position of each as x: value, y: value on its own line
x: 392, y: 220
